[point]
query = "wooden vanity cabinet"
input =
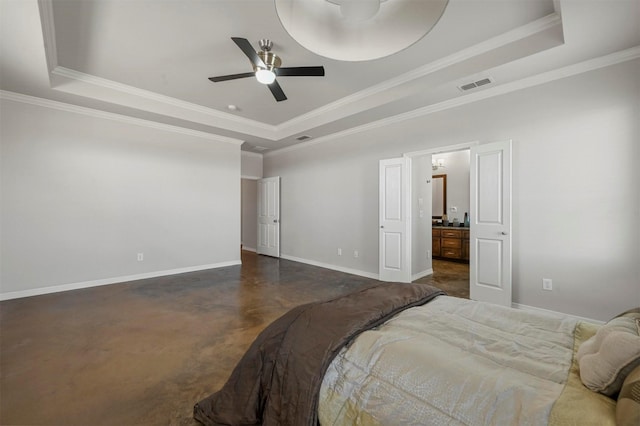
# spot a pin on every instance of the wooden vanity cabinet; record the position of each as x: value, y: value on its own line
x: 435, y: 242
x: 451, y: 243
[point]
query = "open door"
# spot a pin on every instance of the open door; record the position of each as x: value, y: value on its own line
x: 395, y: 208
x: 269, y: 216
x: 490, y: 239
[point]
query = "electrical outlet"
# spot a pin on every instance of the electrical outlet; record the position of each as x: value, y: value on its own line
x: 547, y: 284
x: 339, y: 252
x: 140, y: 257
x: 355, y: 253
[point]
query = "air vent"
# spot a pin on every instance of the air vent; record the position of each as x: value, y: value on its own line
x: 474, y: 84
x: 303, y: 138
x: 260, y: 148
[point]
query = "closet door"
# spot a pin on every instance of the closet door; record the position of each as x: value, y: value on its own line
x: 269, y: 216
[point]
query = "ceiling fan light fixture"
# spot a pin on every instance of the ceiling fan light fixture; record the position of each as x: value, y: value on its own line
x: 265, y: 76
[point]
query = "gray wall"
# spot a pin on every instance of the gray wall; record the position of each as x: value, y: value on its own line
x: 420, y: 226
x: 82, y: 195
x: 576, y: 202
x: 249, y: 214
x: 457, y: 169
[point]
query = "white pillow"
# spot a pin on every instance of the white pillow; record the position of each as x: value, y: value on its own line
x: 608, y: 357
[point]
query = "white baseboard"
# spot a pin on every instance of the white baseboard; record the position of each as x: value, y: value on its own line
x: 332, y: 267
x: 548, y: 311
x: 95, y: 283
x: 249, y: 249
x: 422, y: 274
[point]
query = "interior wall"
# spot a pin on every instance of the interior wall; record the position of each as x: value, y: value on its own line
x: 457, y: 169
x: 249, y: 189
x: 421, y: 263
x: 571, y: 222
x: 82, y: 196
x: 251, y: 165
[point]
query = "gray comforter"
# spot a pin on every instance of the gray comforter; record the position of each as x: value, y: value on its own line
x: 278, y: 380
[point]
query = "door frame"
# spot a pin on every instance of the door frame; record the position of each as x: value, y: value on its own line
x: 440, y: 150
x: 433, y: 151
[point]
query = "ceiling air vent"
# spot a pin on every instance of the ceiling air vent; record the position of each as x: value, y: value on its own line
x: 474, y: 84
x: 260, y: 148
x: 303, y: 138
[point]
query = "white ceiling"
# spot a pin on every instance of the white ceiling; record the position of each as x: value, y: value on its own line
x: 150, y: 59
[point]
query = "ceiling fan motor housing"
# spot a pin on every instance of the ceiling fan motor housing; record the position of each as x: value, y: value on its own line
x: 271, y: 60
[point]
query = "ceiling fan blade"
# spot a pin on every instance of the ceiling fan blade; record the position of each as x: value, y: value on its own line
x: 245, y: 46
x: 277, y: 91
x: 232, y: 76
x: 300, y: 71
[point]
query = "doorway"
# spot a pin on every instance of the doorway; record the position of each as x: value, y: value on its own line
x: 490, y: 240
x: 444, y: 233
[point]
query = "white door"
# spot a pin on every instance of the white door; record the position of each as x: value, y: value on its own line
x: 269, y: 216
x: 395, y: 208
x: 490, y: 239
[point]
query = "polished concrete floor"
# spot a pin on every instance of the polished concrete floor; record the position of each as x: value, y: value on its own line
x: 144, y: 352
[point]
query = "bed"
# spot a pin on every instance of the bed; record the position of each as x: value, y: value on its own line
x: 407, y: 354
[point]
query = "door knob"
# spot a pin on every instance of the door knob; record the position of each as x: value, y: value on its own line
x: 381, y: 226
x: 504, y: 233
x: 275, y: 220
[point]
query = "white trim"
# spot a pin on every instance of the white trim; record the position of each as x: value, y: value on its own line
x: 71, y: 74
x: 48, y: 33
x: 115, y: 280
x: 250, y: 177
x: 249, y: 249
x: 421, y: 274
x: 441, y: 149
x: 512, y: 36
x: 547, y: 311
x: 329, y: 266
x: 48, y: 103
x: 547, y: 77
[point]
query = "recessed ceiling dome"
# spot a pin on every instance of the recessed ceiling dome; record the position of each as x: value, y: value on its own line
x: 358, y: 30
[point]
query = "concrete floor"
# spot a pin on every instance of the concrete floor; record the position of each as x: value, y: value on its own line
x: 144, y: 352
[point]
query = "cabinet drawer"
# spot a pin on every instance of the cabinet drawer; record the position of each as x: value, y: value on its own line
x: 435, y: 232
x: 451, y: 243
x: 451, y: 233
x: 454, y: 253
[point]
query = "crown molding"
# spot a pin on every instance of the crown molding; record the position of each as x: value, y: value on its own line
x: 61, y: 77
x: 45, y: 8
x: 546, y: 77
x: 62, y: 106
x: 550, y: 21
x: 79, y: 83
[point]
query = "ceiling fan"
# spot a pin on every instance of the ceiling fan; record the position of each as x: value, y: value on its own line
x: 266, y: 67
